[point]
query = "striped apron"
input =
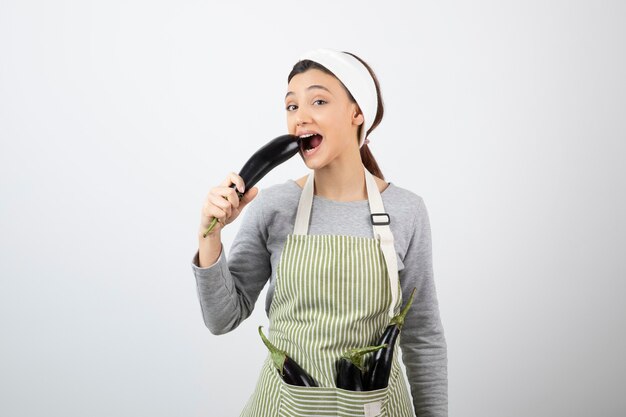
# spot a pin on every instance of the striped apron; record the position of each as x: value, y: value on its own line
x: 332, y: 293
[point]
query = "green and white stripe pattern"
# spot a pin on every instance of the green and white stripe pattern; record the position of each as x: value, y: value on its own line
x: 332, y: 294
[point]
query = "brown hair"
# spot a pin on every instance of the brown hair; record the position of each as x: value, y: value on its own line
x: 366, y: 155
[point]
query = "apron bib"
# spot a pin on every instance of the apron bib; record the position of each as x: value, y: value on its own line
x: 332, y: 293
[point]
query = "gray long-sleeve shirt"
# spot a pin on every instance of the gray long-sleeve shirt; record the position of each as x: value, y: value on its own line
x: 229, y: 288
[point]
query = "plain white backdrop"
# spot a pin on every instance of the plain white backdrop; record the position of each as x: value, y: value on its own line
x: 117, y: 117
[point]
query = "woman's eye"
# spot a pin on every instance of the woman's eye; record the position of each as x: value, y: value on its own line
x: 291, y: 107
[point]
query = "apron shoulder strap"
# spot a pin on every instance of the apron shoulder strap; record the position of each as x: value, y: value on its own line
x: 380, y: 222
x: 303, y: 214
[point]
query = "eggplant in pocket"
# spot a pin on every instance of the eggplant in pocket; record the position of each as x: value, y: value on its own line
x: 350, y: 368
x: 287, y: 368
x: 379, y: 369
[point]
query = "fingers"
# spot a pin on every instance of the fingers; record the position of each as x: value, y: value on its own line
x: 234, y: 178
x: 227, y: 194
x: 223, y: 203
x: 211, y: 211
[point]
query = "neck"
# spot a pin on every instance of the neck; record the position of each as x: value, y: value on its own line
x: 342, y: 180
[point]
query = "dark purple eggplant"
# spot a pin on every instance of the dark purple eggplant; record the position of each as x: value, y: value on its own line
x: 287, y: 368
x: 379, y: 369
x: 272, y: 154
x: 350, y: 368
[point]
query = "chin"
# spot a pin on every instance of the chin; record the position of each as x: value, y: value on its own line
x: 311, y: 164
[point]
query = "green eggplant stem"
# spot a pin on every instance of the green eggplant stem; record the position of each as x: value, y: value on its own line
x: 399, y: 319
x: 211, y: 226
x: 214, y: 221
x: 355, y: 356
x: 278, y: 356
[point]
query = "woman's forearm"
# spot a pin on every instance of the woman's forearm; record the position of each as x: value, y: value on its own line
x: 209, y: 248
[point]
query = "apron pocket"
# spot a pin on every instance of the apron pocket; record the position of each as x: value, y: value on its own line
x: 330, y: 401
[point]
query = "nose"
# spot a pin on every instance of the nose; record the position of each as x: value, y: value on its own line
x: 299, y: 121
x: 301, y: 117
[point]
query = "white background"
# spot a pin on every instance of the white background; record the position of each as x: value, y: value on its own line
x: 117, y: 117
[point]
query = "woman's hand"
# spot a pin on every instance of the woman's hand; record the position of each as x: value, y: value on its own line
x: 222, y: 203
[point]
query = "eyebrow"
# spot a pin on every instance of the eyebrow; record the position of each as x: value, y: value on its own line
x: 311, y: 87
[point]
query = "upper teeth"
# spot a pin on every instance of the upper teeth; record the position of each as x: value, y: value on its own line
x: 306, y: 135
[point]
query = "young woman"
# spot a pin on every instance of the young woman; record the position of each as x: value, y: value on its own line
x: 342, y: 250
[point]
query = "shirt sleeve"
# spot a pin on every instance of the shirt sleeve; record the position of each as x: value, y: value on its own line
x: 422, y: 340
x: 228, y: 289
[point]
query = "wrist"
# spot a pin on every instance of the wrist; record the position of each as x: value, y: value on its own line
x: 213, y: 234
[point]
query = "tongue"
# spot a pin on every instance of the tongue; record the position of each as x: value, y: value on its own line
x: 315, y: 141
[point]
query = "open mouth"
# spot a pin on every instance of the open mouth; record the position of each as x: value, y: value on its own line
x: 309, y: 143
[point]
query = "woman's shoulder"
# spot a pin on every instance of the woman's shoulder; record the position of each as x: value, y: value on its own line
x: 401, y: 197
x: 405, y: 205
x: 408, y: 216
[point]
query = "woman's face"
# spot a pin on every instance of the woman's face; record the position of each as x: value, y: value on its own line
x: 317, y: 103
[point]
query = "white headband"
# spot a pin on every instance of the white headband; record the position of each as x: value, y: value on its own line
x: 357, y: 79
